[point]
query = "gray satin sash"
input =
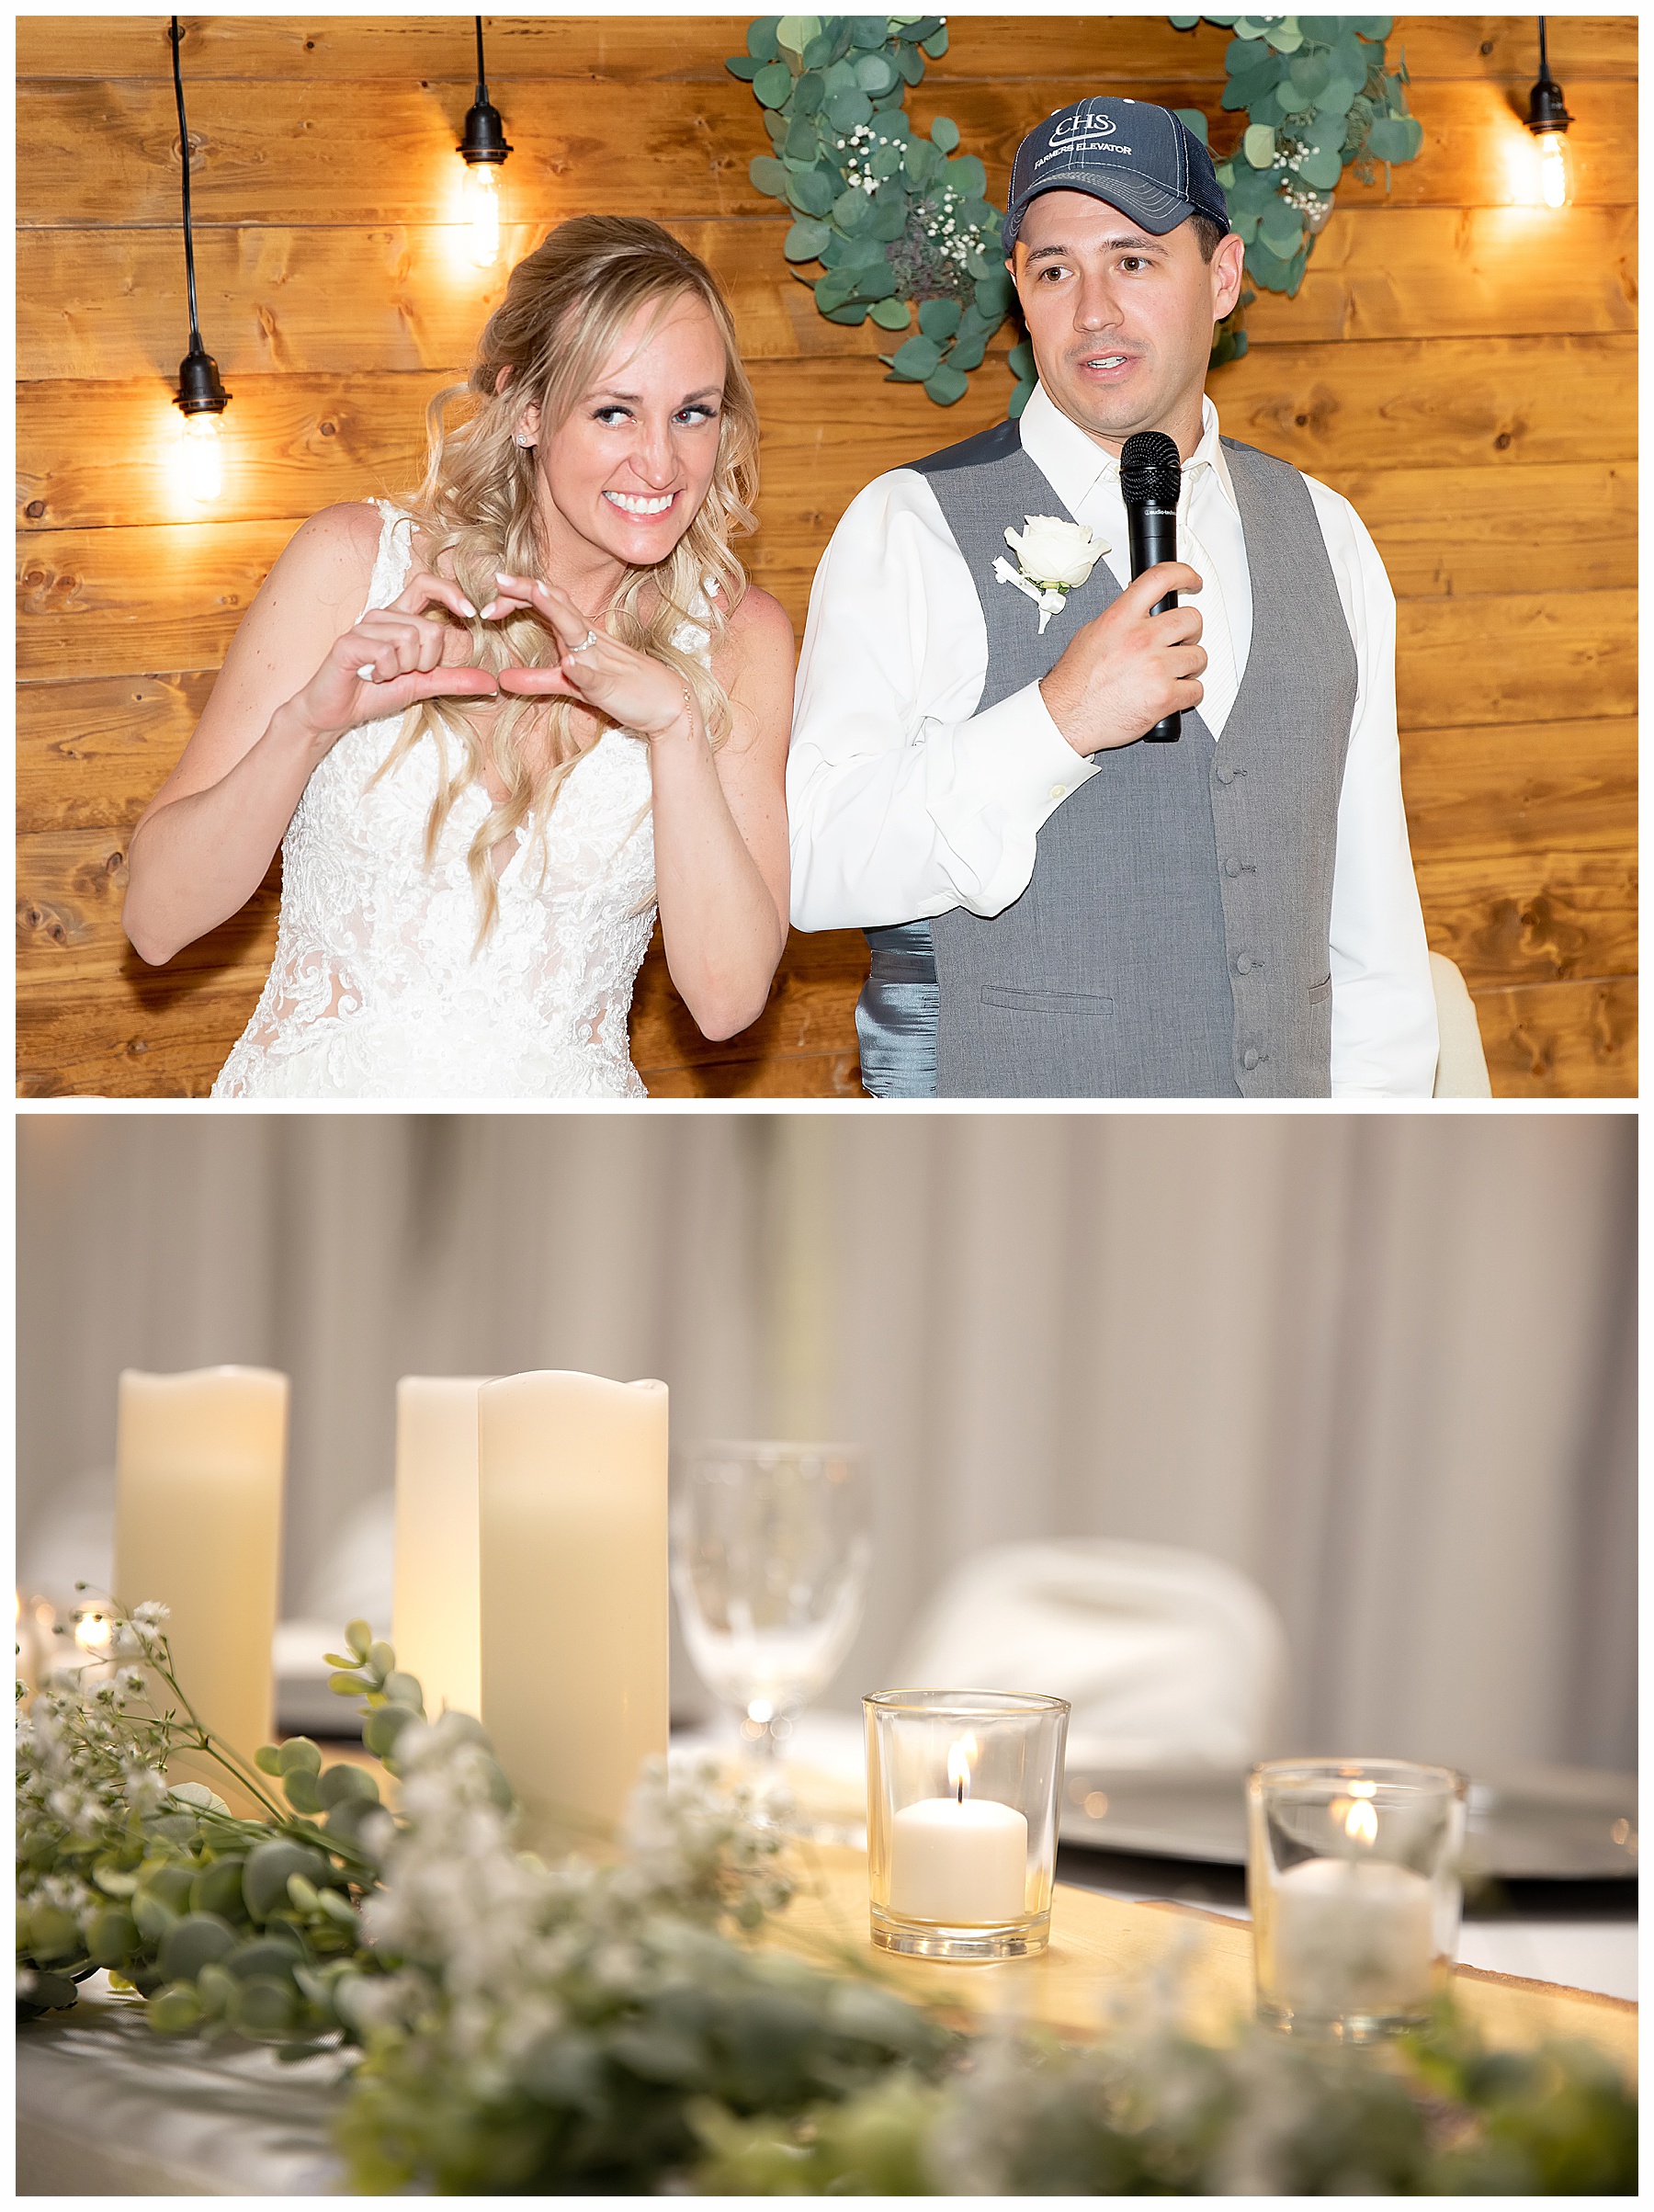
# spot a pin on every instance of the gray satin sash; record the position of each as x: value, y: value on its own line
x: 896, y: 1014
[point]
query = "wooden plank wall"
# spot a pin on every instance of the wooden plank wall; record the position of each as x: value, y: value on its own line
x: 1461, y: 364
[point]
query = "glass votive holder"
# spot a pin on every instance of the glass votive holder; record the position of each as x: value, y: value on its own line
x: 962, y: 1796
x: 1353, y: 1878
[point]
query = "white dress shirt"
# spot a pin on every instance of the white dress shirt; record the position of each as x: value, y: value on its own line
x: 905, y: 802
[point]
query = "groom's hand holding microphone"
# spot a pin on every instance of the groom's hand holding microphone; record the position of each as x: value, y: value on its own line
x: 1129, y: 669
x: 1136, y: 670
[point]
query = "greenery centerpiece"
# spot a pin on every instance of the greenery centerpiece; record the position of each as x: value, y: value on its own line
x: 520, y: 2025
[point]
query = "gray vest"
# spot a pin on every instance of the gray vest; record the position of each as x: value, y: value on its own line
x: 1174, y: 940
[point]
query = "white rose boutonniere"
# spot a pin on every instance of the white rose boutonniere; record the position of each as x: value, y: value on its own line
x: 1052, y: 557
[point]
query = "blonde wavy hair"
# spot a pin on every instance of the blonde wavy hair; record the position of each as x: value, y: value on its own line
x: 566, y: 308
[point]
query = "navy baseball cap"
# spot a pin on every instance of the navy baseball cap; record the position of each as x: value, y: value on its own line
x: 1138, y: 157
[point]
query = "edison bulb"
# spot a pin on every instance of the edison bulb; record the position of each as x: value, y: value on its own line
x: 202, y: 474
x: 1553, y: 169
x: 482, y: 212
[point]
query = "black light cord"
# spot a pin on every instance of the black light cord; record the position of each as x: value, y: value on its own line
x: 1544, y: 65
x: 195, y: 327
x: 483, y: 73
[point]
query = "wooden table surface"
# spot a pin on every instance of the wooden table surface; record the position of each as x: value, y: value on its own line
x: 1102, y: 1947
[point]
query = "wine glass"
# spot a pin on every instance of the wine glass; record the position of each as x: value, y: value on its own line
x: 771, y: 1548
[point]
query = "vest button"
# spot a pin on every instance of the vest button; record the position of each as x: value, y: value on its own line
x: 1231, y: 866
x: 1226, y: 775
x: 1243, y: 965
x: 1249, y: 1058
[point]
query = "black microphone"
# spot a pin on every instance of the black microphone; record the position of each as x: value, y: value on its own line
x: 1151, y: 479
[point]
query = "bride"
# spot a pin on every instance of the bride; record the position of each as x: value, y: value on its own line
x: 492, y: 729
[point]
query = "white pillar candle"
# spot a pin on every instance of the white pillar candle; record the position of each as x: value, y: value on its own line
x: 200, y: 1459
x: 1352, y: 1936
x: 959, y: 1861
x: 436, y: 1623
x: 571, y: 1473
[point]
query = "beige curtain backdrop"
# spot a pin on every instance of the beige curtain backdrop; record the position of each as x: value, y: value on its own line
x: 1384, y: 1364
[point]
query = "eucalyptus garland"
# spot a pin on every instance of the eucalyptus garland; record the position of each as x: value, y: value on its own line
x: 523, y: 2026
x: 896, y: 221
x: 1318, y: 100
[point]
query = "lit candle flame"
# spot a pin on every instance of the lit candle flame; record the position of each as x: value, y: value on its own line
x: 1360, y: 1822
x: 959, y: 1760
x: 92, y: 1631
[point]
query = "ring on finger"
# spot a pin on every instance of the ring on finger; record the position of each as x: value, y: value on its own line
x: 588, y: 641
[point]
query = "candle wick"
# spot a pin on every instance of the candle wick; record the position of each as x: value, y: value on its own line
x: 961, y: 1790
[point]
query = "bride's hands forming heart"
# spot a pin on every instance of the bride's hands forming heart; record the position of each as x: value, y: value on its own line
x: 394, y: 657
x: 629, y: 689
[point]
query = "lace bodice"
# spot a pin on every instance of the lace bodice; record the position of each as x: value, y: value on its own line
x: 376, y: 991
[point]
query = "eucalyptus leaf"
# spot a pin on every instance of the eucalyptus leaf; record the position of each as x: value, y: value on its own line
x: 809, y: 93
x: 1282, y: 230
x: 889, y: 220
x: 851, y: 211
x: 1285, y: 36
x: 849, y: 311
x: 892, y: 314
x: 267, y: 1757
x: 819, y: 53
x: 1336, y: 96
x: 1395, y: 137
x: 794, y: 32
x: 872, y: 283
x: 761, y: 43
x: 191, y: 1943
x: 218, y: 1888
x: 264, y: 2008
x: 1192, y: 120
x: 175, y: 2010
x: 968, y: 177
x: 917, y: 359
x: 1321, y: 170
x: 359, y: 1634
x: 803, y: 142
x: 935, y: 45
x: 113, y: 1937
x: 1258, y: 145
x: 945, y: 133
x: 298, y: 1753
x: 343, y: 1783
x: 265, y: 1877
x: 811, y: 193
x: 743, y: 66
x: 939, y: 319
x: 303, y: 1793
x: 772, y: 84
x: 804, y: 242
x: 869, y: 32
x: 993, y: 297
x: 967, y: 353
x: 877, y: 75
x: 847, y: 110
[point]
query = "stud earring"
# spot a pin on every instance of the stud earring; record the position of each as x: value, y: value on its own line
x: 526, y: 442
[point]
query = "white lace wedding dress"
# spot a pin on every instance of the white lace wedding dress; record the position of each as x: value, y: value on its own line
x: 375, y: 991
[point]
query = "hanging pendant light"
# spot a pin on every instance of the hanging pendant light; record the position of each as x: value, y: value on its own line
x: 1549, y: 121
x: 201, y: 397
x: 483, y: 151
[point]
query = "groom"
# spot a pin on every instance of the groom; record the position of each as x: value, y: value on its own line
x: 1054, y: 908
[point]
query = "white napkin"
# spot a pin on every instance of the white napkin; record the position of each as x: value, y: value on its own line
x: 1168, y: 1658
